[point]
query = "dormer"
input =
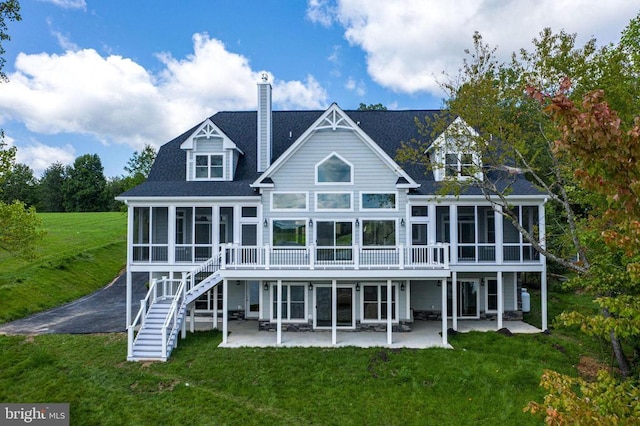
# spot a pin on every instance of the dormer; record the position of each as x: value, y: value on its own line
x: 454, y: 155
x: 211, y: 155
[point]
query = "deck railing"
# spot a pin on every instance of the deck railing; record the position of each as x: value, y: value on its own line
x: 434, y: 256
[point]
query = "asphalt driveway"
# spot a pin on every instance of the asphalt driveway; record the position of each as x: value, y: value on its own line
x: 101, y: 312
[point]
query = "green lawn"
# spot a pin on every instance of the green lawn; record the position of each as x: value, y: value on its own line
x: 487, y: 379
x: 81, y: 253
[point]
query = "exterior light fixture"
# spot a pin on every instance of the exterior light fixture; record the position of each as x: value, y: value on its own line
x: 357, y: 223
x: 266, y: 223
x: 402, y: 287
x: 266, y: 286
x: 357, y: 286
x: 310, y: 286
x: 402, y: 222
x: 310, y: 223
x: 237, y: 282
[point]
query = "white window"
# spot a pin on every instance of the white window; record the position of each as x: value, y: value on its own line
x: 294, y: 302
x: 458, y: 164
x: 334, y: 201
x: 378, y: 233
x: 374, y: 303
x: 378, y: 201
x: 210, y: 166
x: 289, y: 233
x: 289, y: 201
x: 334, y: 170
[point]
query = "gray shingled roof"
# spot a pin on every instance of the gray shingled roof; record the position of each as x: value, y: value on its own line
x: 387, y: 128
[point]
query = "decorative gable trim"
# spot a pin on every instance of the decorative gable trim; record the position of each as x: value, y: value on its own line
x: 335, y: 118
x: 208, y: 130
x: 211, y: 155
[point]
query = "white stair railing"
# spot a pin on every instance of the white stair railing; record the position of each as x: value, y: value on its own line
x: 145, y: 305
x: 187, y: 286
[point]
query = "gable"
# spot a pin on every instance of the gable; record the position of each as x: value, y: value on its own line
x: 333, y: 131
x: 210, y: 154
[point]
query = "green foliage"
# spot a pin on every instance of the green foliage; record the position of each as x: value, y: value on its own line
x: 7, y: 158
x: 19, y: 229
x: 19, y: 184
x: 84, y: 185
x: 605, y: 401
x: 50, y: 189
x: 9, y: 11
x: 372, y: 107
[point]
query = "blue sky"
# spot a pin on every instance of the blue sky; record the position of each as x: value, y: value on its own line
x: 108, y: 77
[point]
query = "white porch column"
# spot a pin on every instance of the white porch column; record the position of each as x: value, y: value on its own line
x: 129, y: 262
x: 454, y: 300
x: 279, y: 313
x: 225, y: 309
x: 499, y: 237
x: 334, y: 312
x: 500, y: 299
x: 389, y: 311
x: 543, y: 297
x: 444, y: 312
x: 453, y: 231
x: 215, y: 307
x: 129, y: 296
x: 542, y: 225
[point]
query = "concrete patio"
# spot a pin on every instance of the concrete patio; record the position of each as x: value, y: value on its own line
x: 424, y: 334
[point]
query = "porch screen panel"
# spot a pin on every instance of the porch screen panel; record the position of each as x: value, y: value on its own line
x: 486, y: 234
x: 203, y: 233
x: 141, y: 222
x: 160, y: 234
x: 184, y: 234
x: 511, y: 237
x: 466, y: 233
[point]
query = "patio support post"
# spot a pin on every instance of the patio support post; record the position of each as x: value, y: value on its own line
x: 192, y: 320
x: 454, y: 300
x: 183, y: 327
x: 225, y: 315
x: 500, y: 299
x: 543, y: 296
x: 129, y: 297
x: 215, y: 307
x: 334, y: 312
x: 389, y: 311
x: 543, y: 260
x: 279, y: 313
x: 444, y: 313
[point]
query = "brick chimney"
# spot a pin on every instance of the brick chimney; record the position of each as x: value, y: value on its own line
x: 264, y: 124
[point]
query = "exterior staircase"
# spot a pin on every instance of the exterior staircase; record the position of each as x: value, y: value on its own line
x: 162, y: 313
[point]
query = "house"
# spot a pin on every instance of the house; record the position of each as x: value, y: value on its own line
x: 303, y: 221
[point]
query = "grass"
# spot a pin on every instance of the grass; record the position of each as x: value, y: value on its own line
x: 81, y: 253
x: 487, y: 379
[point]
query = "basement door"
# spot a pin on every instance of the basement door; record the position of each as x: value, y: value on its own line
x: 323, y: 307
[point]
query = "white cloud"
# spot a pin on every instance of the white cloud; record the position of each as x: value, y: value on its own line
x: 358, y: 87
x: 321, y: 12
x: 68, y: 4
x: 118, y: 101
x: 39, y: 156
x: 409, y: 43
